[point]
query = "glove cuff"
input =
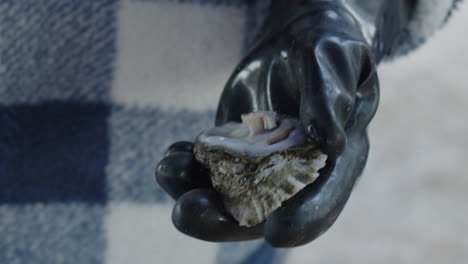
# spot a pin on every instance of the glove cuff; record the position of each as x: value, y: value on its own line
x: 379, y: 23
x: 290, y: 17
x: 419, y: 20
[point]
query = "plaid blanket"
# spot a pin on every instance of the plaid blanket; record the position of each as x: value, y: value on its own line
x: 91, y: 93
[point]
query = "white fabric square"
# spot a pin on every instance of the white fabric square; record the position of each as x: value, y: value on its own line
x: 173, y: 54
x: 141, y: 234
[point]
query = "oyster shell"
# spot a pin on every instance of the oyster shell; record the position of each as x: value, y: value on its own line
x: 259, y: 163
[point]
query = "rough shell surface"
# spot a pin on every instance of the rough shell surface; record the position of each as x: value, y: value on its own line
x: 253, y: 186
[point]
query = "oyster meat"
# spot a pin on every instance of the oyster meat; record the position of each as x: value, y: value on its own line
x: 259, y: 163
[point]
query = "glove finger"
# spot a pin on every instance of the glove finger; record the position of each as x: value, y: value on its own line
x: 200, y: 213
x: 179, y: 173
x: 367, y: 101
x: 330, y: 79
x: 180, y: 146
x: 313, y: 210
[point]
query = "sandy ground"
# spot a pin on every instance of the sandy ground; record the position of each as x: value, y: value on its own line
x: 411, y: 203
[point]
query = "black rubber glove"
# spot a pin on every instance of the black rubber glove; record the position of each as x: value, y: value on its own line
x: 312, y: 60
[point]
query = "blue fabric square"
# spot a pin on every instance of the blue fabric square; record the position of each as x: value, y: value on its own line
x: 53, y: 152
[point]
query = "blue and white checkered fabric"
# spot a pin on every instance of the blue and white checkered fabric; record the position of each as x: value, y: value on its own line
x: 89, y: 99
x: 91, y: 93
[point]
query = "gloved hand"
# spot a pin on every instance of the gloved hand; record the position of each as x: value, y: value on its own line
x: 311, y: 61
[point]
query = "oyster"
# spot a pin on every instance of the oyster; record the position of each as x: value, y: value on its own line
x: 259, y: 163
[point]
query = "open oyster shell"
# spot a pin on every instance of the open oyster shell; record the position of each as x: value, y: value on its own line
x: 259, y: 163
